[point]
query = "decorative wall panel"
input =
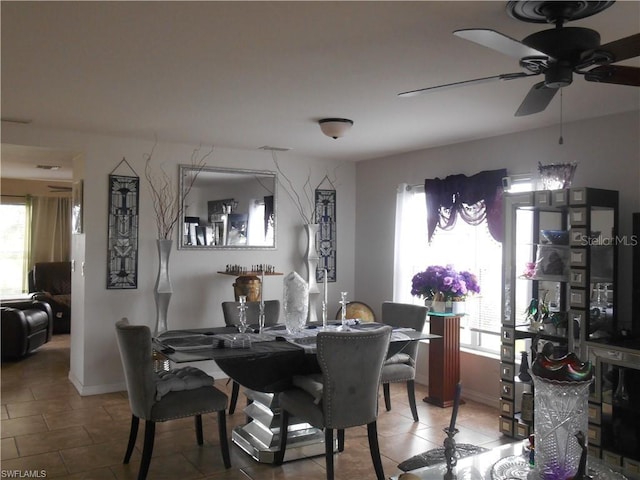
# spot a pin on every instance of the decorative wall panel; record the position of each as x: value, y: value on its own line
x: 122, y: 243
x: 326, y: 241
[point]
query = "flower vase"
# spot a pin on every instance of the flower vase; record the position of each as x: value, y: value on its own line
x: 311, y: 257
x: 438, y: 306
x: 438, y: 303
x: 163, y: 289
x: 458, y: 307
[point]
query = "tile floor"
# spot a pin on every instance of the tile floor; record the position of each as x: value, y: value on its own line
x: 47, y: 426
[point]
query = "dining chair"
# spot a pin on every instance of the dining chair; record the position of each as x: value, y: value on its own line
x: 185, y: 392
x: 401, y: 367
x: 232, y: 318
x: 344, y: 395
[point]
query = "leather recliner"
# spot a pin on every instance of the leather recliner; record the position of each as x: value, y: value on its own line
x: 26, y: 325
x: 51, y: 282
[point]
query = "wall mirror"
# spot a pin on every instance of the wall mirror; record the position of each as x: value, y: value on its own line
x: 228, y: 208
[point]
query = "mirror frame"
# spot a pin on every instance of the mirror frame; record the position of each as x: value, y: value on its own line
x: 184, y: 169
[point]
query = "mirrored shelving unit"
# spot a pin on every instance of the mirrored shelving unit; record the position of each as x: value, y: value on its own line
x: 559, y: 273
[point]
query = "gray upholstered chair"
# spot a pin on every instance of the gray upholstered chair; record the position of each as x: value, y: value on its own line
x: 154, y: 404
x: 232, y: 318
x: 344, y: 395
x: 401, y: 367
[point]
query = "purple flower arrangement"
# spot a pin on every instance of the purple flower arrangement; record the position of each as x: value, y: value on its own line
x: 439, y: 281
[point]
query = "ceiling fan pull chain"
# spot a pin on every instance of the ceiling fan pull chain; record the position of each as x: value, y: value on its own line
x: 561, y: 140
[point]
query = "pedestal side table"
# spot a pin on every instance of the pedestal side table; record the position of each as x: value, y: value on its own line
x: 444, y: 358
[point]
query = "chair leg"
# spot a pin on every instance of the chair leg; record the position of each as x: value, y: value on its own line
x: 284, y: 426
x: 147, y: 450
x: 198, y: 420
x: 328, y: 451
x: 387, y: 396
x: 235, y: 389
x: 341, y: 440
x: 224, y: 442
x: 133, y: 434
x: 372, y: 433
x: 411, y: 393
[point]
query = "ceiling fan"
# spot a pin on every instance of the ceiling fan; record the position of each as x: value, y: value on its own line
x: 556, y: 53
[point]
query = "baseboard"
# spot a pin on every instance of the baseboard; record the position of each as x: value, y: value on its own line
x: 95, y: 389
x: 478, y: 397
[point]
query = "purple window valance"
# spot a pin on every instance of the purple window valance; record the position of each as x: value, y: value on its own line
x: 473, y: 199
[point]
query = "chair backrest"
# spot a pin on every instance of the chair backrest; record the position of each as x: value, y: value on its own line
x: 134, y: 342
x: 351, y: 364
x: 405, y: 315
x: 52, y: 277
x: 271, y: 312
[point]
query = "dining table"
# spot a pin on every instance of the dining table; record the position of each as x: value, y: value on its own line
x: 264, y: 363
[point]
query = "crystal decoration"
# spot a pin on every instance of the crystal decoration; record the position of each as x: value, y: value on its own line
x: 556, y: 175
x: 561, y: 411
x: 242, y: 313
x: 296, y: 302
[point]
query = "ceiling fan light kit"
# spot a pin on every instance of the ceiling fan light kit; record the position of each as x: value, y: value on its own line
x: 557, y: 53
x: 335, y: 127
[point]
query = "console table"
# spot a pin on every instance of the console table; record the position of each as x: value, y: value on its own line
x: 248, y: 284
x: 444, y: 358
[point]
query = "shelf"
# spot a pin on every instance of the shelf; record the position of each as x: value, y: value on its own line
x: 524, y: 332
x: 250, y: 274
x: 547, y: 278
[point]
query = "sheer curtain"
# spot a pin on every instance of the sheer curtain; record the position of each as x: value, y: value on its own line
x: 50, y: 230
x: 26, y: 258
x: 410, y: 240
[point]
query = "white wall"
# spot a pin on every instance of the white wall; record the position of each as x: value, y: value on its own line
x: 608, y: 154
x: 198, y: 290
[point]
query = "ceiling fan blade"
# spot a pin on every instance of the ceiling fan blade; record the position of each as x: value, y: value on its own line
x: 628, y: 47
x: 504, y: 76
x: 59, y: 188
x: 499, y: 42
x: 536, y: 100
x: 617, y: 74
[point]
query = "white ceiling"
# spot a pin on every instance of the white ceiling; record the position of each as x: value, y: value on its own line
x: 248, y: 74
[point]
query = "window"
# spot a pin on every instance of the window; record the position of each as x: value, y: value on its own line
x: 12, y: 255
x: 467, y: 248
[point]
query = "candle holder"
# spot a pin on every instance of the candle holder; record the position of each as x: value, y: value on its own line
x: 324, y: 315
x: 343, y: 311
x: 261, y: 318
x: 450, y: 454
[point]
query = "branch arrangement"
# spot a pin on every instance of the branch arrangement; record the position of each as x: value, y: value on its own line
x: 304, y: 201
x: 168, y: 201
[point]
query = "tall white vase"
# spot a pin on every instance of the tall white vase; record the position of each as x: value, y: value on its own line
x: 163, y: 288
x: 311, y: 257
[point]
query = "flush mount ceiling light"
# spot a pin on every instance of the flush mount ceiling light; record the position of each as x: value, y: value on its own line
x: 48, y: 167
x: 335, y: 127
